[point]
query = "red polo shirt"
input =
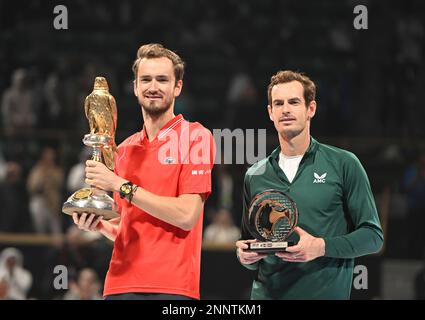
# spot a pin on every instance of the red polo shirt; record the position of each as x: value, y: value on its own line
x: 151, y: 255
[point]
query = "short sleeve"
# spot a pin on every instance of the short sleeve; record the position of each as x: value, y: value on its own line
x: 197, y: 163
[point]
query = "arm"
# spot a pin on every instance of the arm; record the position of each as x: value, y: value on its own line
x: 182, y: 211
x: 367, y: 236
x: 359, y: 205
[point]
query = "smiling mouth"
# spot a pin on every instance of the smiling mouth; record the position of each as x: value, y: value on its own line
x: 153, y: 97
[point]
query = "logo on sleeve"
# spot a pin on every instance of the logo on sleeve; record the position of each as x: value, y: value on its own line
x: 320, y: 179
x: 200, y: 172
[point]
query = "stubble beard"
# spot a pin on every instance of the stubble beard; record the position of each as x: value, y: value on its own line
x: 155, y: 111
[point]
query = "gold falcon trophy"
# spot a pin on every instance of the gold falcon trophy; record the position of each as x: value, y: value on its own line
x: 101, y: 111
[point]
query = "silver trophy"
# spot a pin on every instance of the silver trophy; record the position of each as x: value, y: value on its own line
x: 101, y: 111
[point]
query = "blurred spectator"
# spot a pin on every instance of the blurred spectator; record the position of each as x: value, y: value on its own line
x: 410, y: 35
x: 19, y: 104
x: 14, y: 215
x: 86, y: 287
x: 339, y: 34
x: 19, y: 280
x: 87, y: 249
x: 80, y: 250
x: 414, y: 186
x: 242, y: 100
x: 222, y: 230
x: 224, y: 187
x: 53, y: 115
x: 45, y: 185
x: 2, y: 167
x: 4, y: 290
x: 420, y: 283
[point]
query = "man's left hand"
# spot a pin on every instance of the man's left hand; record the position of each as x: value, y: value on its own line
x: 308, y: 248
x: 98, y: 175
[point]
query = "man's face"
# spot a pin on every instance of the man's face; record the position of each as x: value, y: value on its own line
x: 288, y: 111
x: 11, y: 263
x: 155, y: 86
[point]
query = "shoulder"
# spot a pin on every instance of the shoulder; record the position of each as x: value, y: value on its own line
x: 257, y: 168
x: 345, y: 162
x: 337, y: 154
x: 195, y: 128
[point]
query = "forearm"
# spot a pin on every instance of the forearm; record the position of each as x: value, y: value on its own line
x: 173, y: 210
x: 182, y: 211
x: 365, y: 240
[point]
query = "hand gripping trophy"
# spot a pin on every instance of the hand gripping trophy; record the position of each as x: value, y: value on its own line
x: 101, y: 111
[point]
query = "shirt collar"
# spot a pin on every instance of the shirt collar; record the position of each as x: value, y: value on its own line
x: 168, y: 126
x: 311, y: 150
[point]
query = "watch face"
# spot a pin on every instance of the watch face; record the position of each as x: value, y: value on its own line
x: 126, y: 188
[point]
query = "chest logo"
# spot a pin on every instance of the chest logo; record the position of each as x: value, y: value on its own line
x: 319, y: 179
x: 169, y: 160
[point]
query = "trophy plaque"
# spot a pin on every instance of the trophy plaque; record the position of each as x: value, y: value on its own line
x: 101, y: 112
x: 271, y: 219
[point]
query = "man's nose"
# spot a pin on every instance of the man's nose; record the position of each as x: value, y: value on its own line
x: 285, y: 109
x: 153, y: 85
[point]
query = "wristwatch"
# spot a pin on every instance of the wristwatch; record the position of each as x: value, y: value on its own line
x: 126, y: 189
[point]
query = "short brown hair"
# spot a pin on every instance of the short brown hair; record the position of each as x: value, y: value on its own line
x: 286, y: 76
x: 156, y: 50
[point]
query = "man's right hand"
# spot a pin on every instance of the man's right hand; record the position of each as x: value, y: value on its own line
x: 86, y: 221
x: 247, y: 257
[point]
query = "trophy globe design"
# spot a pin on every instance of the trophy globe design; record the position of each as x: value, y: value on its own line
x: 101, y: 112
x: 271, y: 219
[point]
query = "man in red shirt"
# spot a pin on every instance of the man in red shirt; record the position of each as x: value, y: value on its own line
x: 162, y: 178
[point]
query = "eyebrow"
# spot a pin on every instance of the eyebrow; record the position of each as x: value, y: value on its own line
x: 290, y: 100
x: 294, y: 100
x: 160, y: 76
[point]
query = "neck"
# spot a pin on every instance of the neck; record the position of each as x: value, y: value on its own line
x: 153, y: 124
x: 295, y: 146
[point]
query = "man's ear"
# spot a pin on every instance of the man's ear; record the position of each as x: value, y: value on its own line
x: 269, y: 109
x: 312, y: 109
x: 135, y: 87
x: 178, y: 88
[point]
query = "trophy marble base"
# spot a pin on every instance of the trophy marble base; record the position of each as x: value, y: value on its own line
x: 91, y: 200
x: 269, y: 247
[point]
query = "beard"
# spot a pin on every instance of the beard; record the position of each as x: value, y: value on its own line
x: 154, y: 108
